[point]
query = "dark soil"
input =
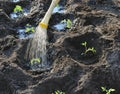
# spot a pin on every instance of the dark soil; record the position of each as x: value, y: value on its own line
x: 95, y: 21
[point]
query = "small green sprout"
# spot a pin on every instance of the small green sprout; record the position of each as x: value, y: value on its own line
x: 84, y: 44
x: 63, y: 21
x: 107, y: 91
x: 88, y: 49
x: 91, y: 49
x: 35, y: 60
x: 58, y: 92
x: 18, y: 9
x: 29, y: 28
x: 68, y: 23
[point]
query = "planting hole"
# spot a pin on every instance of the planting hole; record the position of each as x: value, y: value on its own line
x: 74, y: 47
x: 64, y: 24
x: 26, y: 32
x: 15, y: 15
x: 23, y: 34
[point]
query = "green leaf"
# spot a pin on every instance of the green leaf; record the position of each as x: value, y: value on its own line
x: 84, y: 44
x: 107, y: 91
x: 103, y: 88
x: 18, y: 8
x: 91, y: 49
x: 63, y: 21
x: 29, y: 28
x: 33, y: 29
x: 35, y: 60
x: 58, y: 92
x: 111, y: 89
x: 69, y: 23
x: 27, y: 24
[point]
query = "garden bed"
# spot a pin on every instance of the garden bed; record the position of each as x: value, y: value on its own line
x: 72, y: 69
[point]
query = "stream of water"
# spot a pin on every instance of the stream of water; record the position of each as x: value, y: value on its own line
x: 37, y: 46
x: 37, y: 49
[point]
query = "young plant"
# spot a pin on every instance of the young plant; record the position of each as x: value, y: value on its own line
x: 35, y: 60
x: 18, y: 9
x: 68, y: 23
x: 107, y: 91
x: 88, y: 49
x: 29, y: 28
x: 58, y: 92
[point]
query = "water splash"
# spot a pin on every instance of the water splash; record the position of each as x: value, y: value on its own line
x: 22, y: 34
x: 58, y: 9
x: 64, y: 24
x: 37, y: 49
x: 60, y: 26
